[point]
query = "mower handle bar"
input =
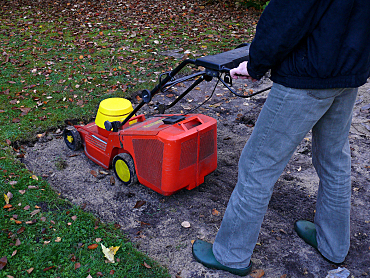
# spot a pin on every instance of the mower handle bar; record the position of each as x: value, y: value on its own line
x: 214, y: 65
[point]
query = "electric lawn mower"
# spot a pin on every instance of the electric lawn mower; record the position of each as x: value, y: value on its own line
x: 166, y: 152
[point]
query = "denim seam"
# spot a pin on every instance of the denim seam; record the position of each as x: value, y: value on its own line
x: 322, y: 244
x: 253, y: 163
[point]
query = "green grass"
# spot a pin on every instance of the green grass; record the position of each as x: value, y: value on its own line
x: 49, y: 235
x: 57, y: 62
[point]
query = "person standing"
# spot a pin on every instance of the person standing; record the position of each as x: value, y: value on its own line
x: 318, y: 52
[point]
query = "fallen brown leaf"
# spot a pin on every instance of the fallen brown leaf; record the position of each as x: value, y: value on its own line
x: 30, y: 270
x: 36, y: 211
x: 146, y: 265
x: 21, y: 230
x: 112, y: 180
x: 30, y: 222
x: 25, y: 111
x: 77, y: 265
x: 9, y: 195
x: 215, y: 212
x: 3, y: 262
x: 7, y: 206
x: 94, y: 173
x: 16, y: 221
x: 139, y: 204
x: 257, y: 273
x: 48, y: 268
x: 14, y: 253
x: 92, y: 246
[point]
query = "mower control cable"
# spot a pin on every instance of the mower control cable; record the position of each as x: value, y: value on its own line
x: 228, y: 80
x: 243, y: 96
x: 207, y: 99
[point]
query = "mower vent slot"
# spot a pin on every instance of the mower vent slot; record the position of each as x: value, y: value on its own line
x: 207, y: 144
x: 95, y: 141
x: 149, y: 157
x: 189, y: 152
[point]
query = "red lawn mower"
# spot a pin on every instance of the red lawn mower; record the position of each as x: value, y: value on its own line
x: 166, y: 152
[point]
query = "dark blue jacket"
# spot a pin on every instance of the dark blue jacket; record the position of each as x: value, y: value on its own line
x: 313, y: 44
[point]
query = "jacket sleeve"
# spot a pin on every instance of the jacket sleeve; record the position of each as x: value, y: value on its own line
x: 281, y: 27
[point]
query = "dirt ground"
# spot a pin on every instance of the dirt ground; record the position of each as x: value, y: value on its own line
x: 156, y: 226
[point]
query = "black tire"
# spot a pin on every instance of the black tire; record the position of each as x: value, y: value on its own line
x: 72, y: 138
x: 124, y: 169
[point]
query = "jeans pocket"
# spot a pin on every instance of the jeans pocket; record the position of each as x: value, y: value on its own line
x: 324, y: 93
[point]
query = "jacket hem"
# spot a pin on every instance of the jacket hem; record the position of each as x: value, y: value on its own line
x: 320, y: 83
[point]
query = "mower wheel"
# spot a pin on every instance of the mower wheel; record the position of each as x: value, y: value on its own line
x: 72, y: 138
x: 124, y: 168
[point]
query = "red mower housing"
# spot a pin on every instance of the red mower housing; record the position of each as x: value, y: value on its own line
x: 165, y: 157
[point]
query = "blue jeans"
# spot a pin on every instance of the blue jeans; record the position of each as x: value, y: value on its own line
x: 287, y: 116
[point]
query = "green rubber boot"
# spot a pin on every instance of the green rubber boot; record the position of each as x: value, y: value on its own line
x: 202, y: 252
x: 307, y: 231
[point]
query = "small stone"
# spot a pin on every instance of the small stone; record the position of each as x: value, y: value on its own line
x: 185, y: 224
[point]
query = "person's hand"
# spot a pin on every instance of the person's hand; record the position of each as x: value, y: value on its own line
x: 240, y: 72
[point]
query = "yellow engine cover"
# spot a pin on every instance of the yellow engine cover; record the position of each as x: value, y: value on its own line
x: 113, y: 109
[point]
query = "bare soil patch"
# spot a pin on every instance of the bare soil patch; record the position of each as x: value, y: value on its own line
x: 156, y: 227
